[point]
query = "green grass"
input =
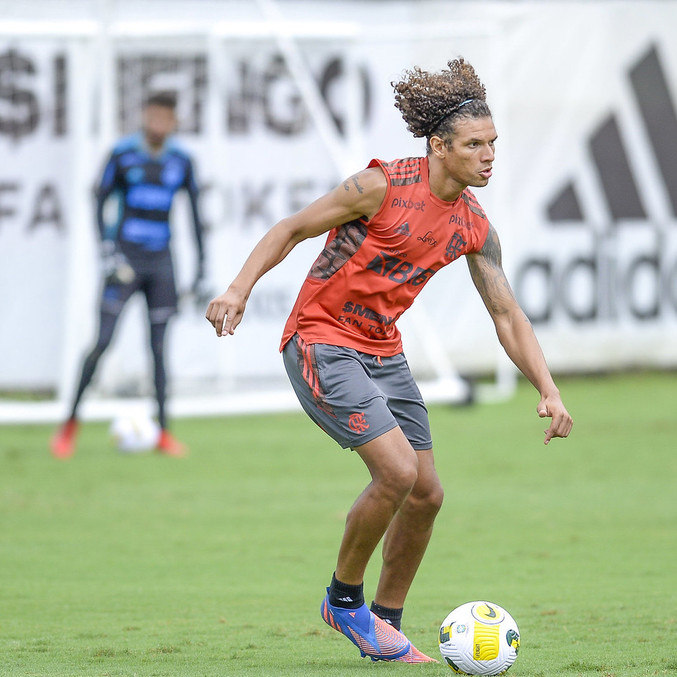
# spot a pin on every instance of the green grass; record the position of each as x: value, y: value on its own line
x: 216, y: 564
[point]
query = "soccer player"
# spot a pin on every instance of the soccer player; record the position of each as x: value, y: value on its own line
x: 391, y: 227
x: 144, y: 171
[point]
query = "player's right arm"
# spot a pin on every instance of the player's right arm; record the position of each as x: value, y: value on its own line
x: 359, y: 195
x: 108, y: 183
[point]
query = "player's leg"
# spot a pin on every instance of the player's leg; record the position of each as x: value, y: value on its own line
x: 161, y: 297
x: 335, y: 388
x: 409, y: 532
x: 407, y: 538
x: 107, y: 324
x: 158, y: 331
x: 113, y: 300
x: 392, y: 464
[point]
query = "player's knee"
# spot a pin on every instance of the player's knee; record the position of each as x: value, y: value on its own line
x: 433, y: 499
x: 400, y: 480
x: 427, y: 500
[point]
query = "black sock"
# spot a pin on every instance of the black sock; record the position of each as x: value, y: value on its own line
x: 391, y: 616
x: 344, y: 595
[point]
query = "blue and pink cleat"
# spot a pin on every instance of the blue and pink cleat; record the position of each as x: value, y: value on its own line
x: 372, y: 635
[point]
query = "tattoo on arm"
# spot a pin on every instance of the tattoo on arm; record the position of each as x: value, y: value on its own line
x: 491, y: 250
x: 356, y: 183
x: 487, y: 273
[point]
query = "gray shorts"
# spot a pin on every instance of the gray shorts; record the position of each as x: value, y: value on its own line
x: 355, y: 397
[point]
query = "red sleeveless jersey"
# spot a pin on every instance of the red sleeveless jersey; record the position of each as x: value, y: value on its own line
x: 370, y: 271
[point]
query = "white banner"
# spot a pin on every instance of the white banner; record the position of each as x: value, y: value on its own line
x: 594, y: 194
x: 584, y: 194
x: 35, y: 146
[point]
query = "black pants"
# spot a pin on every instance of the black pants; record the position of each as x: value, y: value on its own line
x: 155, y: 278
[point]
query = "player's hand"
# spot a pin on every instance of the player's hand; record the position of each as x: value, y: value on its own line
x: 225, y: 312
x: 553, y: 407
x: 114, y: 264
x: 108, y: 258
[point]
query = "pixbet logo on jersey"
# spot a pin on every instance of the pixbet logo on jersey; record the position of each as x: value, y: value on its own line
x: 627, y: 268
x: 408, y: 204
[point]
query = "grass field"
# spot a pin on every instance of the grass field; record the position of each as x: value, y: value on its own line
x: 216, y: 564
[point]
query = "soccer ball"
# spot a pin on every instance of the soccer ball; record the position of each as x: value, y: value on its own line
x: 134, y: 434
x: 479, y: 638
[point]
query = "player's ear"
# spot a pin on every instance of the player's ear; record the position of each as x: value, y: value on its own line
x: 438, y: 147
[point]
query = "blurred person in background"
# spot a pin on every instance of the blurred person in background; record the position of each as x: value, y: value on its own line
x: 144, y: 171
x: 391, y: 227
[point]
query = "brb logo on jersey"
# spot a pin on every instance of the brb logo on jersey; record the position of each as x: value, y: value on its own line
x: 399, y: 270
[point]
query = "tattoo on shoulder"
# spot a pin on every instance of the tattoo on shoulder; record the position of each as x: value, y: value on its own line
x: 357, y: 185
x: 492, y: 248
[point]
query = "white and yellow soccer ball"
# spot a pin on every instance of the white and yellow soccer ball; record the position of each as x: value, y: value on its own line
x: 134, y: 433
x: 479, y: 638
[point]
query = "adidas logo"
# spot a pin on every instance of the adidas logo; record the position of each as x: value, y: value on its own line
x: 615, y: 275
x: 403, y: 229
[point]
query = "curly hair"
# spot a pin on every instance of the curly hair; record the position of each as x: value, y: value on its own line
x: 432, y: 102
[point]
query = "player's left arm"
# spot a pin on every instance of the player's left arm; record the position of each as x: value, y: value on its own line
x: 193, y: 196
x: 516, y: 333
